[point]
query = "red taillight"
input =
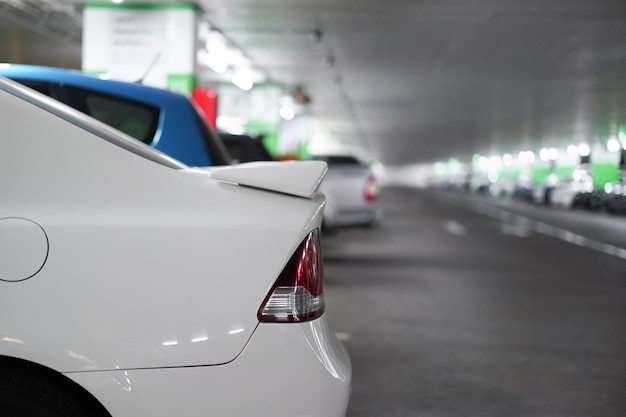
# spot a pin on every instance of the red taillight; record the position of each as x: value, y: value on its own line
x: 371, y: 189
x: 298, y: 294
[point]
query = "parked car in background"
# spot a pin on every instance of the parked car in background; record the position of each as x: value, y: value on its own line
x: 571, y: 191
x: 134, y: 285
x: 613, y: 197
x: 163, y: 119
x: 542, y: 192
x: 502, y: 187
x: 351, y: 190
x: 479, y: 183
x: 523, y: 193
x: 245, y: 148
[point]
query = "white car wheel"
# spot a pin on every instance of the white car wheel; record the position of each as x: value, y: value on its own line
x: 29, y: 393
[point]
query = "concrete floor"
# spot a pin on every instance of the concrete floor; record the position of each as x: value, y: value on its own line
x: 467, y: 306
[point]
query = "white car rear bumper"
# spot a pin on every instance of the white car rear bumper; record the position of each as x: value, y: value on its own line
x: 285, y: 370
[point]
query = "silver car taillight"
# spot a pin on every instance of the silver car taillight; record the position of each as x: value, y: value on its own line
x: 298, y: 293
x: 371, y: 188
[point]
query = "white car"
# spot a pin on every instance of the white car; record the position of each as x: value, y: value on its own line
x: 351, y: 191
x: 133, y: 285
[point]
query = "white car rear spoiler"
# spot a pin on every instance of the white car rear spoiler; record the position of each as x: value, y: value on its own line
x: 298, y: 178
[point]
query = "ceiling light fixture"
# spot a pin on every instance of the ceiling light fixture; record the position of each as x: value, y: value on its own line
x: 584, y: 149
x: 553, y: 154
x: 526, y: 157
x: 613, y: 145
x: 287, y: 113
x: 483, y: 162
x: 572, y: 151
x: 215, y: 62
x: 242, y: 81
x: 495, y: 162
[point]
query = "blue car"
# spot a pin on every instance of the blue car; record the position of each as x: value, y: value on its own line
x: 162, y: 119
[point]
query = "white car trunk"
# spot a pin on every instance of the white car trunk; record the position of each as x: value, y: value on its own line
x: 147, y: 266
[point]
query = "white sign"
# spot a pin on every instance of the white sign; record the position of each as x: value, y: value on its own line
x: 156, y: 45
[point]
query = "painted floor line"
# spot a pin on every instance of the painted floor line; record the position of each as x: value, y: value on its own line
x: 549, y: 230
x: 454, y: 228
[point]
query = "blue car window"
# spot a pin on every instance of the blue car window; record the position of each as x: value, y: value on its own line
x: 41, y: 86
x: 169, y: 123
x: 136, y: 119
x: 131, y: 119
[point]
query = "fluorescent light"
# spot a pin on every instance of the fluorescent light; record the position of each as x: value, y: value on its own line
x: 483, y: 162
x: 527, y: 157
x: 287, y: 113
x: 613, y: 145
x: 495, y: 162
x: 242, y: 81
x: 215, y: 62
x: 553, y: 154
x: 572, y: 151
x: 584, y: 149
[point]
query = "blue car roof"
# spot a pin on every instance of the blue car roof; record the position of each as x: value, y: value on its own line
x: 178, y: 133
x: 75, y: 77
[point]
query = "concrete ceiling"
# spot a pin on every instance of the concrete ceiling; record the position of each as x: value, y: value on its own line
x: 421, y: 80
